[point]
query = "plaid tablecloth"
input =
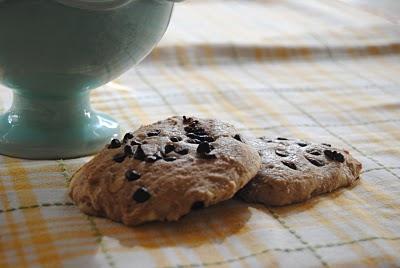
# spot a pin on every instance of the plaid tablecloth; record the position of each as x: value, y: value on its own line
x: 319, y: 70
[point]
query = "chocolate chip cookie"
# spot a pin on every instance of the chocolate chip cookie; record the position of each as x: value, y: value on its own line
x: 164, y: 170
x: 293, y: 171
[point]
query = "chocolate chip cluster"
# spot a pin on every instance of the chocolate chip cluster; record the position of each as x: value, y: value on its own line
x: 311, y: 154
x: 143, y: 151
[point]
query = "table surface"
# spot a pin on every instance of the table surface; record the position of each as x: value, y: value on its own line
x: 389, y: 9
x: 324, y: 71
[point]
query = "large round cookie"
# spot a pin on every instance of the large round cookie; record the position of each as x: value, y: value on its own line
x: 293, y: 171
x: 164, y: 170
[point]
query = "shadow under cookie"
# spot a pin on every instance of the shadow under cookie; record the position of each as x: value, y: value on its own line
x: 301, y: 207
x: 211, y: 225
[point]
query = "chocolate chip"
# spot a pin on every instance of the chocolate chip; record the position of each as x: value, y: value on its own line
x: 302, y: 144
x: 151, y: 159
x: 208, y: 156
x: 315, y: 162
x: 329, y: 154
x: 191, y: 135
x: 132, y: 175
x: 187, y: 120
x: 200, y: 137
x: 170, y: 158
x: 158, y: 155
x: 193, y: 141
x: 333, y: 155
x: 314, y: 151
x: 175, y: 139
x: 188, y: 129
x: 128, y: 150
x: 339, y: 157
x: 135, y: 142
x: 198, y: 205
x: 200, y: 131
x: 326, y: 144
x: 169, y: 148
x: 237, y: 137
x: 139, y: 154
x: 207, y: 138
x: 127, y: 137
x: 119, y: 158
x: 289, y: 164
x: 115, y: 143
x: 141, y: 195
x: 153, y: 133
x: 281, y: 139
x: 281, y: 152
x: 183, y: 151
x: 203, y: 148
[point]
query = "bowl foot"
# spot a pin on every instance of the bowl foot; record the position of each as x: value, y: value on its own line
x: 54, y: 129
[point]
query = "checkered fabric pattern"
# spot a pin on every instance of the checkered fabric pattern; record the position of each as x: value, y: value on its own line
x: 317, y: 69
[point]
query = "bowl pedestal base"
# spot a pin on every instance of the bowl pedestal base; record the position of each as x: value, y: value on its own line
x: 56, y: 127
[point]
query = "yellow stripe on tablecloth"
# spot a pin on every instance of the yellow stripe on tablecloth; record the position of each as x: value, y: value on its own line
x: 149, y: 238
x: 64, y: 236
x: 260, y: 104
x: 10, y: 228
x: 137, y: 111
x: 337, y: 230
x: 128, y: 235
x: 318, y: 216
x: 211, y: 87
x: 253, y: 98
x: 370, y: 188
x: 351, y: 103
x: 363, y: 217
x: 170, y: 75
x: 27, y: 197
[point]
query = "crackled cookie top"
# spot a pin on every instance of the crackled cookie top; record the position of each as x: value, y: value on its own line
x: 163, y: 170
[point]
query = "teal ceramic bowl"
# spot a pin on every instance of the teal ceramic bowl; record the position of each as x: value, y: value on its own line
x: 52, y: 53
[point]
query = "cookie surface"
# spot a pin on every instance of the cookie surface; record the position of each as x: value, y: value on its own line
x: 293, y: 171
x: 164, y: 170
